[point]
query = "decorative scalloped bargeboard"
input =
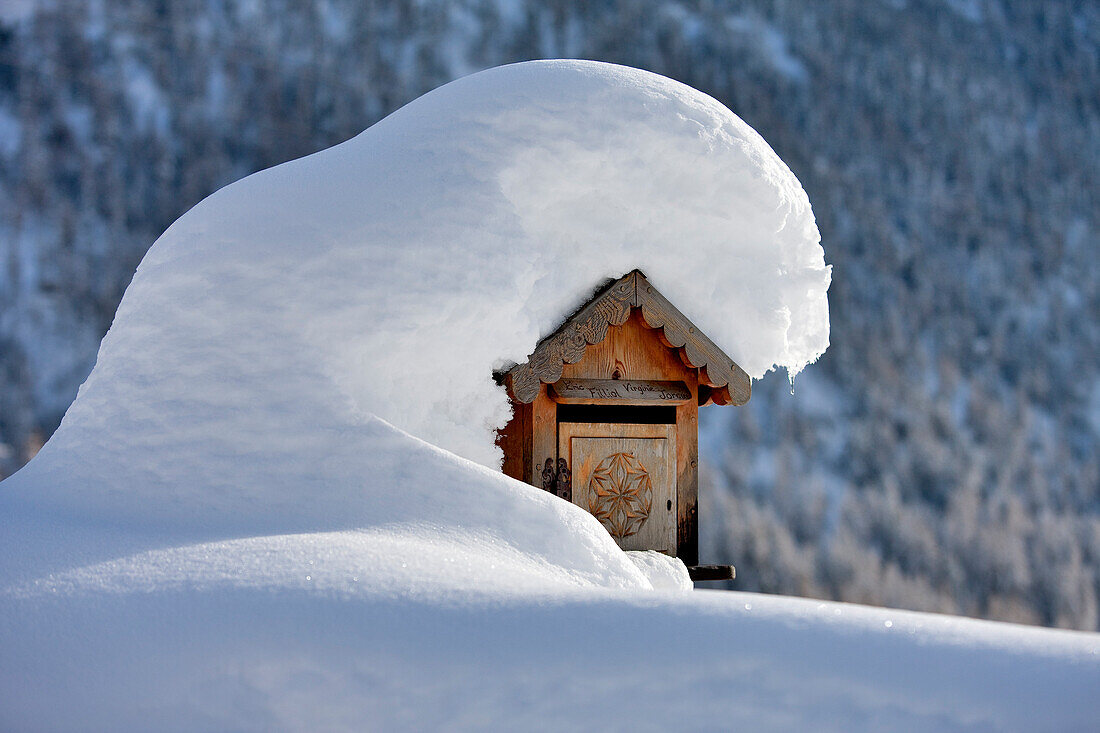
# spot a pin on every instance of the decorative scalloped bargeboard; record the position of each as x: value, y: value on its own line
x: 726, y: 382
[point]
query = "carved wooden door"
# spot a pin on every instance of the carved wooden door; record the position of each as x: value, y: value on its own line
x: 625, y: 476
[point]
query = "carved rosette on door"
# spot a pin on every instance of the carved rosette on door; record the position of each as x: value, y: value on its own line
x: 621, y: 473
x: 620, y: 494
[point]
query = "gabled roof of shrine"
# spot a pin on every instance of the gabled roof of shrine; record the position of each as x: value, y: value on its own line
x: 726, y: 383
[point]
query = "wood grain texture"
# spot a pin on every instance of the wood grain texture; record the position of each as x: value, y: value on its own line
x: 515, y: 440
x: 714, y: 396
x: 612, y: 306
x: 571, y: 391
x: 687, y: 479
x: 688, y: 482
x: 544, y: 434
x: 623, y: 474
x: 627, y: 344
x: 696, y: 350
x: 630, y: 351
x: 635, y: 351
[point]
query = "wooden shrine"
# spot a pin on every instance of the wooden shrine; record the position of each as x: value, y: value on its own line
x: 606, y: 416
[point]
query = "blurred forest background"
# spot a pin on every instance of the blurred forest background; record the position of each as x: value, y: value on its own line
x: 941, y: 456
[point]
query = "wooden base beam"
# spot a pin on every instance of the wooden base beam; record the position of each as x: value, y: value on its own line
x: 712, y: 572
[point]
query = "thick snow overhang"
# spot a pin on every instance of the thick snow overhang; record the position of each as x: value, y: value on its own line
x: 721, y: 380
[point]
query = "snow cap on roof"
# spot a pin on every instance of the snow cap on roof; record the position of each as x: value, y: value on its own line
x: 390, y: 275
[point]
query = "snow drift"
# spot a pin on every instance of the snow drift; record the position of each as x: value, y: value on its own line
x: 389, y: 275
x: 274, y: 503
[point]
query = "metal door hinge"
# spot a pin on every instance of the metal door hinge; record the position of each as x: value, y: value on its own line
x: 560, y: 481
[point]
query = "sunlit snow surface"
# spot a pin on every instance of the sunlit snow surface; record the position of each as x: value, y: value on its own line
x: 273, y: 505
x: 334, y: 632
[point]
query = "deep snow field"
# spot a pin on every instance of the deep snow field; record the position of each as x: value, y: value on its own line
x: 275, y: 503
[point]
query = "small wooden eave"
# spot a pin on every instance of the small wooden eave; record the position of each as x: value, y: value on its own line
x: 724, y: 382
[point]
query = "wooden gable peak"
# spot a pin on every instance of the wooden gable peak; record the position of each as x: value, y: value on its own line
x: 725, y: 382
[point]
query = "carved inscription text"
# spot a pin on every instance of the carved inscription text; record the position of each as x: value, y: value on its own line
x: 620, y: 390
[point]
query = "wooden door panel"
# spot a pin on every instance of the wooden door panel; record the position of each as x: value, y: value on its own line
x: 625, y: 476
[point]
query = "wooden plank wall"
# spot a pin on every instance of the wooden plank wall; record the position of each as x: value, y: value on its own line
x: 515, y: 441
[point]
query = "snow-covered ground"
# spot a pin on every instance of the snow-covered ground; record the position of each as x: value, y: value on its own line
x: 275, y: 503
x: 354, y: 631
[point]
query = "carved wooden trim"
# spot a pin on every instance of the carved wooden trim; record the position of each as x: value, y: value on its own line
x: 716, y: 370
x: 612, y: 307
x: 714, y: 396
x: 620, y: 494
